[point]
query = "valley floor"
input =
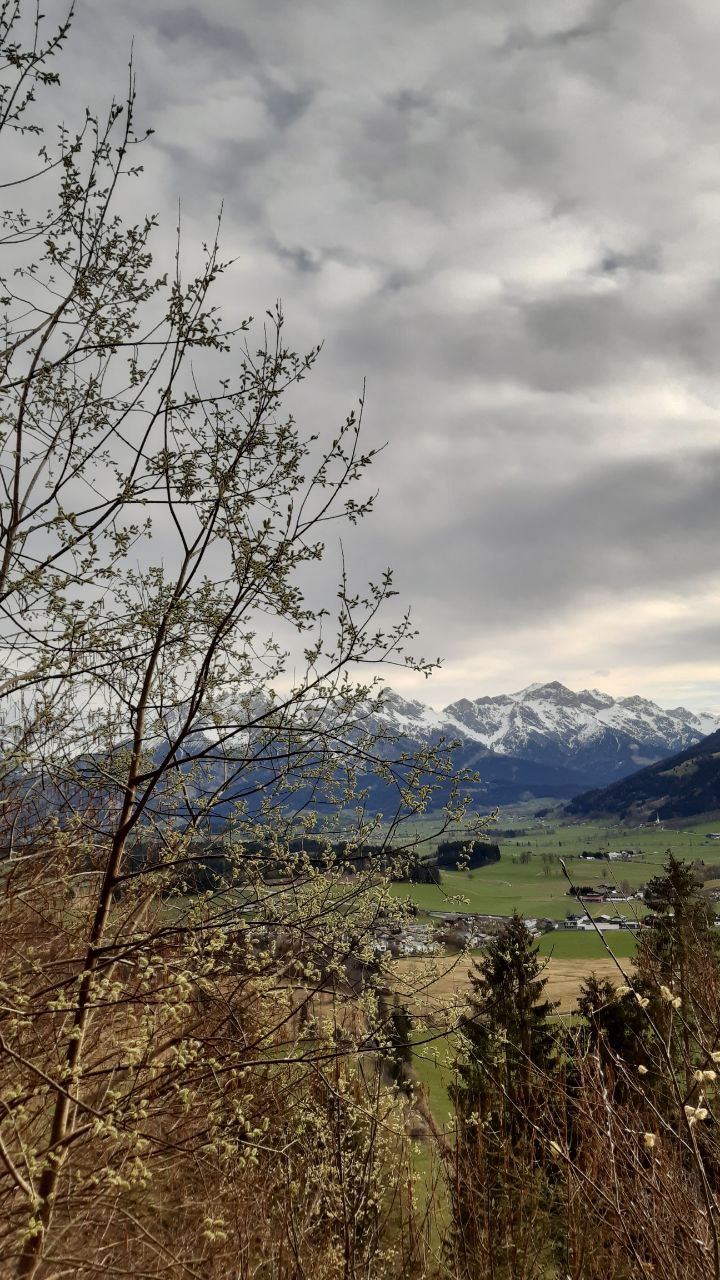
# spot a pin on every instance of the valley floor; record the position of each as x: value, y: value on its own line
x: 529, y: 878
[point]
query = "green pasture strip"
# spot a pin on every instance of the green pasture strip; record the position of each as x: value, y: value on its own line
x: 566, y: 944
x: 499, y: 890
x: 544, y: 832
x: 432, y: 1064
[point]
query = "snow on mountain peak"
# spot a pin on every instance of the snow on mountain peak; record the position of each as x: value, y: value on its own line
x: 547, y: 723
x: 553, y: 689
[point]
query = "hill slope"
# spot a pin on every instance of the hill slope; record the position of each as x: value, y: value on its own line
x: 682, y: 786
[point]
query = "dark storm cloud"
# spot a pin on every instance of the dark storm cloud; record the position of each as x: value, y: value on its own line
x: 508, y: 218
x: 647, y: 259
x: 287, y: 105
x: 598, y: 21
x: 195, y: 26
x: 410, y: 100
x: 519, y: 549
x: 301, y: 259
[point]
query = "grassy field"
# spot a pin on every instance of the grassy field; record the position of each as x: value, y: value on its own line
x: 538, y: 887
x: 587, y: 947
x: 432, y: 1059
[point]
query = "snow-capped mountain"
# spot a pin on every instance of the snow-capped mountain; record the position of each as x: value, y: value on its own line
x: 590, y: 734
x: 544, y: 742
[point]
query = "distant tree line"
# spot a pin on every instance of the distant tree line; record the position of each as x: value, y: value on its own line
x: 467, y: 854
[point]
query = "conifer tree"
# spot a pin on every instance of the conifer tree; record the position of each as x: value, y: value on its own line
x: 678, y: 962
x: 396, y: 1024
x: 615, y: 1029
x: 502, y: 1202
x: 506, y: 1035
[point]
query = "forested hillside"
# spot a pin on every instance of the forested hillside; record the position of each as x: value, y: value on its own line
x: 682, y: 786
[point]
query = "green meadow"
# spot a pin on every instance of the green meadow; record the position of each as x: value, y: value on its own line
x: 538, y: 887
x: 571, y: 945
x: 432, y: 1063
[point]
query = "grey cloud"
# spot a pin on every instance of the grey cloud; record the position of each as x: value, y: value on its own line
x: 194, y: 25
x: 301, y: 259
x: 555, y: 344
x: 287, y: 105
x: 677, y: 644
x: 598, y: 20
x: 398, y: 280
x: 521, y: 39
x: 506, y: 217
x: 410, y: 100
x: 646, y: 259
x: 540, y: 546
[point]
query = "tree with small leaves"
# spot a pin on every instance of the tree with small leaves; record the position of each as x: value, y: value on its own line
x: 175, y: 715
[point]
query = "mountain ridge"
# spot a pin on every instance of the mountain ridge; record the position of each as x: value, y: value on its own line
x: 586, y: 734
x: 544, y: 742
x: 681, y: 786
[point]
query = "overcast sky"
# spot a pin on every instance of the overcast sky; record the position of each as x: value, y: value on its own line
x: 506, y: 216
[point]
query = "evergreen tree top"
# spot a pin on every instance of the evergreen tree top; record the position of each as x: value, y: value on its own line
x: 507, y: 1001
x: 510, y: 974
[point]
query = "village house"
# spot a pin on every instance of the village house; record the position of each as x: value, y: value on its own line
x: 606, y: 924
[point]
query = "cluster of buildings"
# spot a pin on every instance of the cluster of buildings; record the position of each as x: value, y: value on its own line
x: 608, y: 893
x: 405, y: 939
x: 443, y: 929
x: 613, y: 855
x: 606, y: 924
x: 472, y: 930
x: 469, y: 929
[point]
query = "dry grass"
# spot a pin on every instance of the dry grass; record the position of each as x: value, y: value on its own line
x: 450, y: 977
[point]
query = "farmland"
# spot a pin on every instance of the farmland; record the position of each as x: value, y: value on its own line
x: 537, y: 887
x: 528, y: 878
